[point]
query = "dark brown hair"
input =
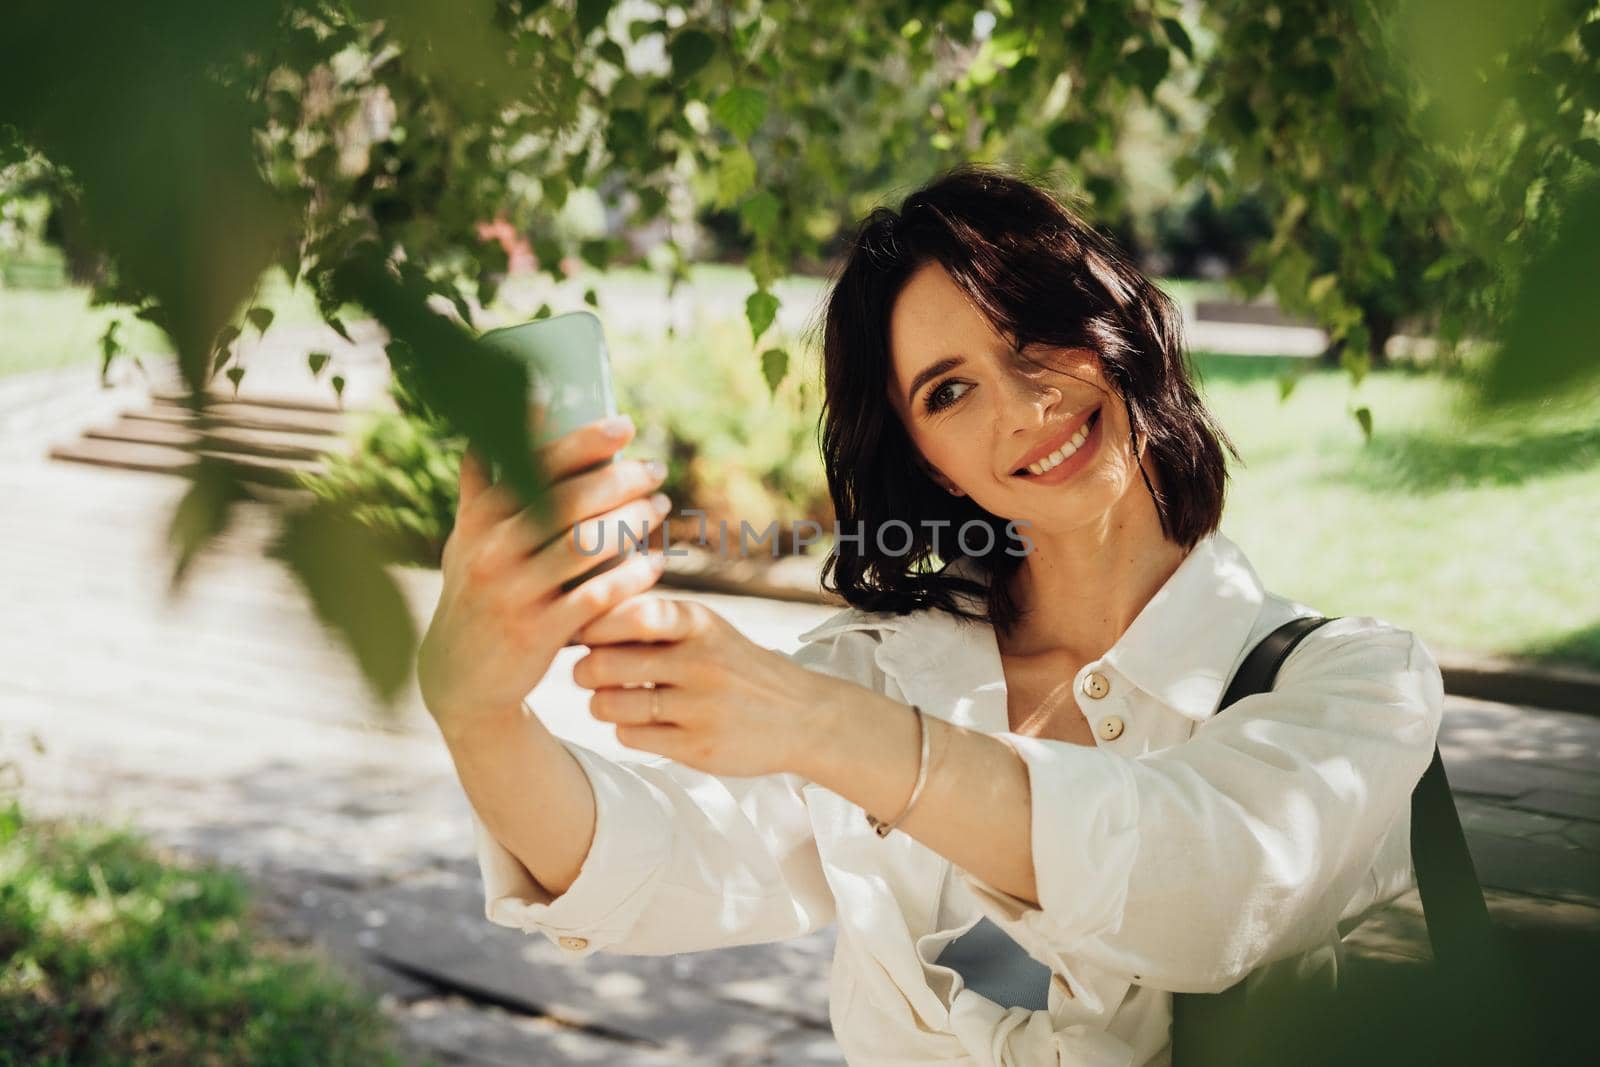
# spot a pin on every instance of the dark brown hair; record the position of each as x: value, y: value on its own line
x: 1041, y: 276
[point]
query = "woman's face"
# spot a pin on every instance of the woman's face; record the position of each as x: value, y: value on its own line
x: 976, y: 422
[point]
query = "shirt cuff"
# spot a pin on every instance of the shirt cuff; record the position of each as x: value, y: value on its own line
x: 632, y: 842
x: 1085, y: 819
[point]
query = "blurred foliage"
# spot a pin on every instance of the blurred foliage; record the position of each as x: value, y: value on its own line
x: 1419, y: 159
x: 399, y: 479
x: 734, y: 448
x: 110, y: 954
x: 359, y: 144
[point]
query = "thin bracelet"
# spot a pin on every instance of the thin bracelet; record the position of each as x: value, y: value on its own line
x: 878, y: 825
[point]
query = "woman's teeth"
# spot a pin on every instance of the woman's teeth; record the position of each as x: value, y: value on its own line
x: 1064, y: 453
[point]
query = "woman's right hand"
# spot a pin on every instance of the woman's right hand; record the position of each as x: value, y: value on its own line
x: 502, y: 616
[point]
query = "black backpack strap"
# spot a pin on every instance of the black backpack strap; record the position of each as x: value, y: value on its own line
x: 1259, y: 670
x: 1447, y: 882
x: 1215, y: 1028
x: 1452, y: 900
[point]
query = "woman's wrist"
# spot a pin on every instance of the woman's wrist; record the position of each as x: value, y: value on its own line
x: 470, y: 727
x: 857, y: 730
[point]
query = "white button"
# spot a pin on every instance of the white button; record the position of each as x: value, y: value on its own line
x: 1110, y: 728
x: 1095, y: 685
x: 574, y: 942
x: 1061, y: 984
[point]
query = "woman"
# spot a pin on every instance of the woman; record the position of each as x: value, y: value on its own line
x: 1036, y: 718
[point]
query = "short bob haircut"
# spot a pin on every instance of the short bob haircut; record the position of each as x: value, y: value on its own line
x: 1041, y: 276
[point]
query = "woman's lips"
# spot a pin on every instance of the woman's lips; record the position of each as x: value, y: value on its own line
x: 1073, y: 463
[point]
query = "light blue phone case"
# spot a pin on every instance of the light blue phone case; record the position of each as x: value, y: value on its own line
x: 569, y: 367
x: 569, y: 372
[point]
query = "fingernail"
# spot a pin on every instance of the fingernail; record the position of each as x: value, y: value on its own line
x: 656, y: 469
x: 661, y: 502
x: 617, y: 425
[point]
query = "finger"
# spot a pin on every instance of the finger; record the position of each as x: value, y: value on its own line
x: 639, y: 619
x: 588, y: 445
x: 472, y: 479
x: 633, y: 707
x: 662, y: 740
x: 632, y: 521
x: 571, y: 611
x: 565, y: 559
x: 616, y: 666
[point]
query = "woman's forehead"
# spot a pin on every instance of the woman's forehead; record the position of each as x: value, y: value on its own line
x: 934, y: 317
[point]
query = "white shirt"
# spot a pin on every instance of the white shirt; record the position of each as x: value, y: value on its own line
x: 1178, y: 856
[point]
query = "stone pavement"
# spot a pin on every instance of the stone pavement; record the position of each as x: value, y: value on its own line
x: 228, y: 725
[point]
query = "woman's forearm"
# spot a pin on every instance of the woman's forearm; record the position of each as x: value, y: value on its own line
x: 530, y: 793
x: 976, y: 806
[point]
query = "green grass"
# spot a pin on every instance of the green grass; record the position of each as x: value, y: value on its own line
x: 1477, y: 533
x: 109, y: 955
x: 42, y: 329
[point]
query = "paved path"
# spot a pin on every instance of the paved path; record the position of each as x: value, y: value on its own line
x: 227, y: 724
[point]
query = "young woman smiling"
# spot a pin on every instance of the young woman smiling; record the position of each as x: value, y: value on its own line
x: 1080, y: 834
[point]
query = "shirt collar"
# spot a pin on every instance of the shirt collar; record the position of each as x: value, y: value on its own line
x: 1181, y: 648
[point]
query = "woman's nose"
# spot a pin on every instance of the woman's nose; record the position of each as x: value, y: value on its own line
x: 1029, y: 399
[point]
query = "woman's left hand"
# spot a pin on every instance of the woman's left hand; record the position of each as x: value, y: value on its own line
x: 728, y: 706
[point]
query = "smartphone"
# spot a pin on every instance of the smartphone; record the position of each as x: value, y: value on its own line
x: 569, y: 372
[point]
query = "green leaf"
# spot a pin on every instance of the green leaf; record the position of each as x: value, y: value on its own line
x: 109, y: 347
x: 596, y: 253
x: 760, y: 213
x: 590, y: 298
x: 1356, y: 362
x: 1179, y: 37
x: 1149, y: 65
x: 235, y: 375
x: 690, y: 50
x: 741, y: 111
x: 592, y: 13
x: 612, y: 53
x: 736, y: 175
x: 226, y: 336
x: 317, y: 361
x: 260, y: 318
x: 1286, y: 384
x: 340, y: 563
x: 1443, y: 266
x: 1070, y: 139
x: 1320, y: 287
x: 337, y: 325
x: 1588, y: 149
x: 1589, y: 34
x: 204, y: 512
x: 338, y: 388
x: 760, y: 309
x: 544, y: 312
x: 774, y: 365
x: 1363, y: 416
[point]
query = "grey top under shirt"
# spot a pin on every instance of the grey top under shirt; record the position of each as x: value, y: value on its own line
x: 991, y: 963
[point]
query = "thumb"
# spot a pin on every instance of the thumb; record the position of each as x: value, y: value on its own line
x: 473, y: 479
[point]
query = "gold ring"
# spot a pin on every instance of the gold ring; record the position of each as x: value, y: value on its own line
x: 655, y: 703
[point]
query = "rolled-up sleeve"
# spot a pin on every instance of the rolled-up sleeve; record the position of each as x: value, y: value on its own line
x: 682, y: 860
x: 1187, y: 867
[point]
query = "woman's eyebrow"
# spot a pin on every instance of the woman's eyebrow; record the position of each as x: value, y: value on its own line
x: 932, y: 370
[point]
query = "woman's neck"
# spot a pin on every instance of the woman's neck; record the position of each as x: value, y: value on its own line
x: 1080, y: 589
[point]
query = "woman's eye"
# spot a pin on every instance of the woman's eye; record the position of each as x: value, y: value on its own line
x: 933, y: 401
